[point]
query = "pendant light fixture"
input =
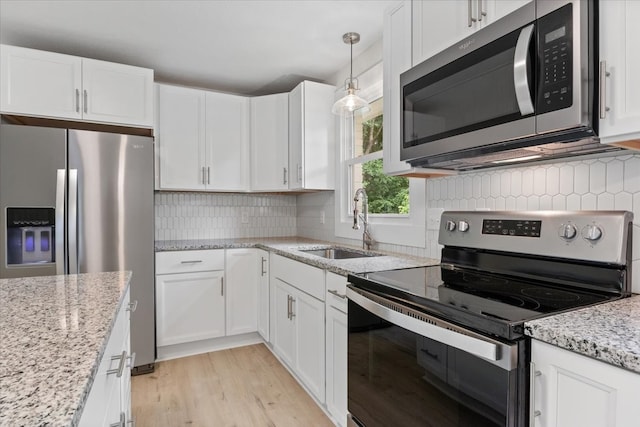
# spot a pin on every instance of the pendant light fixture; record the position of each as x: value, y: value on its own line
x: 350, y: 103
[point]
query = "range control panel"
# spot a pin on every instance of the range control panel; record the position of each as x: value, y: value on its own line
x: 512, y: 227
x: 601, y: 236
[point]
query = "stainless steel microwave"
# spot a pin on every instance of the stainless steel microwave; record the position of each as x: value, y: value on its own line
x: 520, y: 89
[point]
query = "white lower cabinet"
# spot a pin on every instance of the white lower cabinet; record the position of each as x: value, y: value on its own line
x: 297, y: 318
x: 190, y: 303
x: 336, y: 347
x: 572, y: 390
x: 109, y: 399
x: 263, y: 293
x: 241, y: 291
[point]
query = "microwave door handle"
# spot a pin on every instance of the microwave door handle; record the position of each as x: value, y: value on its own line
x: 475, y: 346
x: 520, y: 65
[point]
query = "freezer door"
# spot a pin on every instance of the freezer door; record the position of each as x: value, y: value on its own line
x: 30, y: 158
x: 112, y: 198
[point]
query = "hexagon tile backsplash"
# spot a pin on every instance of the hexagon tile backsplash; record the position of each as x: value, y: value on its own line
x: 607, y: 183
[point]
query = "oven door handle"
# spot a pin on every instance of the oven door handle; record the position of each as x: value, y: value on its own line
x: 520, y: 65
x: 475, y: 346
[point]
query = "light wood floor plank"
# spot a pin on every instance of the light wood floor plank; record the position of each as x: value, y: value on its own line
x: 244, y: 386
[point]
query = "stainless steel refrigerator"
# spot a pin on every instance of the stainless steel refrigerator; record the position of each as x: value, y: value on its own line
x: 76, y: 201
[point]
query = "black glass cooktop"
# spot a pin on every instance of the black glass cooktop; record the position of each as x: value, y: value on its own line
x: 492, y: 303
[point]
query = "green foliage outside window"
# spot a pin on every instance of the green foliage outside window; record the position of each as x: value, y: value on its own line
x: 386, y: 194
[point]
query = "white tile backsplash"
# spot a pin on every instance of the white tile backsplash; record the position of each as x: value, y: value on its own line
x: 219, y: 216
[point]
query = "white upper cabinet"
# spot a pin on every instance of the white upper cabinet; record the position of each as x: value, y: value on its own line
x: 397, y: 59
x: 311, y: 137
x: 202, y: 140
x: 180, y: 138
x: 116, y: 93
x: 227, y: 142
x: 46, y: 84
x: 270, y: 142
x: 438, y: 24
x: 619, y: 71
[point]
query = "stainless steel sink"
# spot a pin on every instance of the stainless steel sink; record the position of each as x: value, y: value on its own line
x: 338, y: 253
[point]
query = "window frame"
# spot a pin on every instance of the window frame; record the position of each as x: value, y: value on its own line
x: 400, y: 229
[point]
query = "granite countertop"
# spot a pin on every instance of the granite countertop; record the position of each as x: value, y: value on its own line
x: 292, y: 247
x: 53, y: 332
x: 609, y: 332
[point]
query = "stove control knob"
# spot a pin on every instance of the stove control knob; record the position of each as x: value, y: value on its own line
x: 592, y: 233
x: 567, y: 231
x: 450, y: 225
x: 463, y: 226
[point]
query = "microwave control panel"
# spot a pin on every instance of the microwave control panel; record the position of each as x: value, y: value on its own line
x: 555, y: 53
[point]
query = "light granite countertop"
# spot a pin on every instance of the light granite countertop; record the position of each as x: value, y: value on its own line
x: 292, y: 247
x: 53, y: 332
x: 609, y: 332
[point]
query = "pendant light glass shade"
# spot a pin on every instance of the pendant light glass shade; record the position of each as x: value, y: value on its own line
x: 351, y: 103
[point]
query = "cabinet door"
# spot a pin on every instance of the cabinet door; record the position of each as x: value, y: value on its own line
x: 270, y: 142
x: 620, y: 57
x: 310, y: 337
x: 189, y: 307
x: 438, y: 24
x: 496, y: 9
x: 283, y: 323
x: 227, y: 146
x: 181, y: 138
x: 241, y: 291
x: 311, y: 137
x: 37, y: 83
x: 336, y: 354
x: 117, y: 93
x: 104, y: 402
x: 263, y: 294
x: 608, y: 396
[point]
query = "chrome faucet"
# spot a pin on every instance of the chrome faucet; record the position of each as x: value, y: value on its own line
x: 367, y: 241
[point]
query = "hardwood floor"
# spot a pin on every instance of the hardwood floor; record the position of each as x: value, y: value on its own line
x: 244, y: 386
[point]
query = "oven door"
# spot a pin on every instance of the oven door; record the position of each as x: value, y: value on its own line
x: 406, y: 368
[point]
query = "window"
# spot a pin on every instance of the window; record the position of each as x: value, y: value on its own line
x: 387, y: 194
x: 396, y: 204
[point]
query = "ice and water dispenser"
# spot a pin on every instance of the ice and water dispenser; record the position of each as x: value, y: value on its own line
x: 30, y: 236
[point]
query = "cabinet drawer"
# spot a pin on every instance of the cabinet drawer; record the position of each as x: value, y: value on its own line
x: 300, y: 275
x: 336, y: 291
x: 189, y: 261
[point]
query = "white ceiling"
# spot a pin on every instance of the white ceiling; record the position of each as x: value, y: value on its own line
x: 250, y: 47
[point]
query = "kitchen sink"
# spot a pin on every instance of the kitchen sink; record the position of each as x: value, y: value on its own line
x: 338, y: 253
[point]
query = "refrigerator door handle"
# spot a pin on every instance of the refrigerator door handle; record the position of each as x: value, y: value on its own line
x: 73, y: 221
x: 60, y: 229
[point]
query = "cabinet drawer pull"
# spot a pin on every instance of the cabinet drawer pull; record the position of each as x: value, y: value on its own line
x: 222, y: 287
x: 293, y: 314
x: 120, y: 369
x: 77, y: 100
x: 263, y: 271
x: 603, y: 89
x: 336, y: 293
x: 86, y: 108
x: 481, y: 12
x: 132, y: 306
x: 284, y: 175
x: 195, y: 261
x: 533, y: 374
x: 132, y: 360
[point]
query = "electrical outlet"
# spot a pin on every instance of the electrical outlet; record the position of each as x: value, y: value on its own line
x: 433, y: 218
x: 321, y: 217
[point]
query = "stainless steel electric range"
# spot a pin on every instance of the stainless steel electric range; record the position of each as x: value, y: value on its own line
x: 445, y: 346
